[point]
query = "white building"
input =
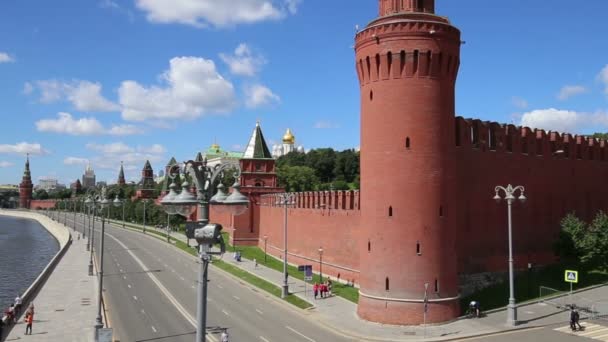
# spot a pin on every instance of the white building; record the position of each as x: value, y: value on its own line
x: 289, y: 145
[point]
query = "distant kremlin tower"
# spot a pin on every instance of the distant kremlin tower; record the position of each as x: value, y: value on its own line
x: 289, y: 145
x: 26, y: 186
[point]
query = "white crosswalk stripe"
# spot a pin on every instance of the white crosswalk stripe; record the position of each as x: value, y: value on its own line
x: 590, y: 330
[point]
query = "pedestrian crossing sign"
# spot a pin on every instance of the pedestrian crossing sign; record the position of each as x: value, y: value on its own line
x: 571, y: 276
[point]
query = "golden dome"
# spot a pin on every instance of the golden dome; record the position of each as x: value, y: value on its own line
x: 215, y: 147
x: 288, y: 138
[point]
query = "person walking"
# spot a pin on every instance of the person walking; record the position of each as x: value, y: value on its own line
x: 224, y: 336
x: 315, y: 289
x: 572, y: 319
x: 18, y: 302
x: 576, y: 319
x: 329, y: 286
x: 29, y: 319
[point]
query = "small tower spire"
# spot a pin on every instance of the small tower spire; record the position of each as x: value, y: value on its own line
x: 121, y: 175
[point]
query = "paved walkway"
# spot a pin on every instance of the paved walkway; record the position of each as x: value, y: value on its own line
x: 66, y: 306
x: 340, y: 315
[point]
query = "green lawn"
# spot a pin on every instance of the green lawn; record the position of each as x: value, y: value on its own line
x: 252, y: 252
x: 527, y: 285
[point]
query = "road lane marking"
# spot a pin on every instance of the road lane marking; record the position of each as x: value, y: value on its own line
x: 135, y: 297
x: 154, y: 329
x: 129, y: 285
x: 235, y: 297
x: 220, y: 286
x: 259, y: 311
x: 124, y: 277
x: 162, y: 288
x: 263, y: 339
x: 182, y: 278
x: 225, y: 312
x: 299, y: 333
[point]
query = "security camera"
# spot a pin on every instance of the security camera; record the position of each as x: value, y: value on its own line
x: 209, y: 235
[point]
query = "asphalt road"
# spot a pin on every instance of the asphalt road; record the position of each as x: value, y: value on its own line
x: 594, y: 331
x: 150, y: 293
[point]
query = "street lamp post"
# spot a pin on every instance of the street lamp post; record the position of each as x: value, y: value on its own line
x: 206, y: 234
x: 99, y: 200
x: 285, y: 199
x: 509, y: 192
x: 145, y: 201
x: 265, y: 243
x: 74, y: 220
x: 65, y: 212
x: 321, y: 263
x: 91, y: 236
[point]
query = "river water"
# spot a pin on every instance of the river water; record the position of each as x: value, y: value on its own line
x: 25, y: 250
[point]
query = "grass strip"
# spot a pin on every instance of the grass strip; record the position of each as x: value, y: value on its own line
x: 253, y: 252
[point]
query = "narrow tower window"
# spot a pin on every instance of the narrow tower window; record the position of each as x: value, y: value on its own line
x: 457, y: 134
x: 436, y: 285
x: 420, y: 5
x: 390, y: 211
x: 386, y: 284
x: 369, y: 246
x: 389, y: 57
x: 407, y: 142
x: 415, y: 63
x: 402, y: 66
x: 418, y: 248
x: 440, y: 211
x: 371, y: 95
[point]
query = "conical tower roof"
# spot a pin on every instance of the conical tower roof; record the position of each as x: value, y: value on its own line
x: 147, y: 166
x: 257, y: 148
x: 121, y: 175
x: 172, y: 161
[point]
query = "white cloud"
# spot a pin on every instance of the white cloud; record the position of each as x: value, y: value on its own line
x: 23, y: 148
x: 565, y: 121
x: 4, y: 164
x: 325, y: 124
x: 243, y: 62
x: 85, y: 96
x: 125, y: 130
x: 259, y: 95
x: 603, y: 77
x: 66, y: 124
x: 570, y: 90
x: 111, y: 155
x: 6, y: 58
x: 75, y: 161
x: 113, y: 148
x: 108, y: 4
x: 519, y: 102
x: 203, y: 13
x: 194, y: 88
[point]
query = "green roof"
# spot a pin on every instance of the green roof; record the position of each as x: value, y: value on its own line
x: 257, y: 148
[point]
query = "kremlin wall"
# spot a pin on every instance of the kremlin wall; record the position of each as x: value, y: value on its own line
x: 425, y: 213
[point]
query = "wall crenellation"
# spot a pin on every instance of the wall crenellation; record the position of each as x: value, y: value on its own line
x: 495, y: 137
x: 433, y: 63
x: 334, y: 200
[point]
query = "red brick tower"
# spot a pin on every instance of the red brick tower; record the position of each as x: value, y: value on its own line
x: 407, y: 61
x: 146, y: 185
x: 26, y: 186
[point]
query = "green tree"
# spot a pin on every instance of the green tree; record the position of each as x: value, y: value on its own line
x: 297, y: 178
x: 40, y: 194
x: 346, y: 166
x: 568, y: 244
x: 600, y: 136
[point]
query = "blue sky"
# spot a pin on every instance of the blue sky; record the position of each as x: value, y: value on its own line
x: 111, y: 80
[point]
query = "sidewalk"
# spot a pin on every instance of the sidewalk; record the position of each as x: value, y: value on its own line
x: 340, y: 315
x: 66, y: 306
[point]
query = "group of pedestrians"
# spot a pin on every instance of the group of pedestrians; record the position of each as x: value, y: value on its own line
x: 323, y: 290
x: 13, y: 312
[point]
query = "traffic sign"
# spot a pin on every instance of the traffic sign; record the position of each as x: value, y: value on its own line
x: 308, y: 273
x: 571, y: 276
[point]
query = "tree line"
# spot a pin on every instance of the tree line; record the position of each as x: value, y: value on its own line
x: 319, y: 169
x: 582, y: 243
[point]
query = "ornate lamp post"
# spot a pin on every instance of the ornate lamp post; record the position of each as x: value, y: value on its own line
x: 145, y: 202
x: 285, y: 199
x: 117, y: 203
x: 205, y: 234
x: 99, y: 200
x: 321, y: 263
x: 509, y: 192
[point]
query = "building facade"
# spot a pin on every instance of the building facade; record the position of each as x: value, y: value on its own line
x: 88, y: 178
x: 145, y: 188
